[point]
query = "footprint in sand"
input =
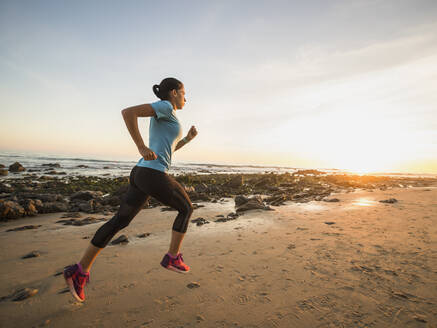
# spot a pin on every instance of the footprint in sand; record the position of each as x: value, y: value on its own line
x: 242, y: 299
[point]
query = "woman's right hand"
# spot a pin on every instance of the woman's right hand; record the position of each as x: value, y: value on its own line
x: 147, y: 154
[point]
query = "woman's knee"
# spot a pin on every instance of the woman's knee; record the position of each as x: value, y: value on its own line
x: 186, y: 210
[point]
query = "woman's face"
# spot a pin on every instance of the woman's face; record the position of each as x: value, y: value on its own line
x: 178, y: 97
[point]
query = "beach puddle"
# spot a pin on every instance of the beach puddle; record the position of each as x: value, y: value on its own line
x: 310, y: 206
x: 364, y: 202
x: 243, y: 222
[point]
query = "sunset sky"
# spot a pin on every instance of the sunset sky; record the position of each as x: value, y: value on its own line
x: 329, y: 84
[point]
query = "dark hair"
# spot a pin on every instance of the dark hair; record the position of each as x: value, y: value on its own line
x: 166, y: 85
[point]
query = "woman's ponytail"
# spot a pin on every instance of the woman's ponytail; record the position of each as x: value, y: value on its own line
x: 162, y: 90
x: 156, y: 90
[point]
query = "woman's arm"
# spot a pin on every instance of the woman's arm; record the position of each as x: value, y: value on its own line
x: 190, y: 135
x: 130, y: 116
x: 181, y: 143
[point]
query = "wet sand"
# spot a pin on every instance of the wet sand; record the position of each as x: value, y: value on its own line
x: 353, y: 263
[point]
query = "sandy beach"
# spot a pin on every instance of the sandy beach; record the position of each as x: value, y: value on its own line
x: 353, y: 263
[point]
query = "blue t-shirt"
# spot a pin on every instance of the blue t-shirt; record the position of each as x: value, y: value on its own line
x: 165, y: 131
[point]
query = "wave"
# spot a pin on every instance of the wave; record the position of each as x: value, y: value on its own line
x: 74, y: 159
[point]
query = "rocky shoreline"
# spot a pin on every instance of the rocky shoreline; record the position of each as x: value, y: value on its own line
x: 32, y: 194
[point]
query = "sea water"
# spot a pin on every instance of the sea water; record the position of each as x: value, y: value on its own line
x: 117, y: 168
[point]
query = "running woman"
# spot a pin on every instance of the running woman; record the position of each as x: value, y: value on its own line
x: 148, y: 178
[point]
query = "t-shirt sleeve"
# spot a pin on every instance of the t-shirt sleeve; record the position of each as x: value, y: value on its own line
x: 162, y: 108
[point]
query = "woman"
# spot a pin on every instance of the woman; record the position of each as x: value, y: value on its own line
x: 147, y: 178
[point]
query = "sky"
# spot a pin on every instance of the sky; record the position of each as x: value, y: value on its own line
x: 315, y: 84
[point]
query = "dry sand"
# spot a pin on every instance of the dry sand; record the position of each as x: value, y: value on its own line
x: 374, y: 266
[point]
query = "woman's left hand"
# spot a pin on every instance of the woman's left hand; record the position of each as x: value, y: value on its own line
x: 192, y: 133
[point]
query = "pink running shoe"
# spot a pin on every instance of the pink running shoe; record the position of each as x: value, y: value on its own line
x: 76, y: 280
x: 175, y: 263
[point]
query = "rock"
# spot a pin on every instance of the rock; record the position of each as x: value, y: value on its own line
x: 54, y: 207
x: 52, y: 165
x: 3, y: 172
x: 192, y: 285
x: 82, y: 166
x: 56, y: 172
x: 233, y: 215
x: 44, y: 197
x: 240, y: 200
x: 143, y: 235
x: 332, y: 200
x: 85, y: 221
x: 200, y: 318
x: 5, y: 195
x: 300, y: 195
x: 195, y: 196
x: 6, y: 188
x: 420, y: 318
x: 72, y: 215
x: 86, y: 195
x: 200, y: 221
x: 29, y: 206
x: 201, y: 188
x: 38, y: 205
x: 122, y: 239
x: 26, y: 227
x: 264, y: 182
x: 390, y: 201
x: 236, y: 181
x: 308, y: 172
x: 10, y: 210
x: 276, y: 200
x: 229, y: 217
x: 87, y: 207
x: 329, y: 223
x: 250, y: 204
x: 16, y: 167
x: 31, y: 254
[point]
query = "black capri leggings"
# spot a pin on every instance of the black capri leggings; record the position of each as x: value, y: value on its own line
x: 143, y: 183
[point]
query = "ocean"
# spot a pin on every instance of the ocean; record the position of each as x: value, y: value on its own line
x: 35, y: 164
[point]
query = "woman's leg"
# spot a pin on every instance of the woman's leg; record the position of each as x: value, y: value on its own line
x: 131, y: 203
x: 172, y: 194
x: 168, y: 191
x: 176, y: 241
x: 89, y: 257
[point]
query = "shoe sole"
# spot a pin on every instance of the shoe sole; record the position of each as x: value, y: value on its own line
x: 172, y: 268
x: 70, y: 285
